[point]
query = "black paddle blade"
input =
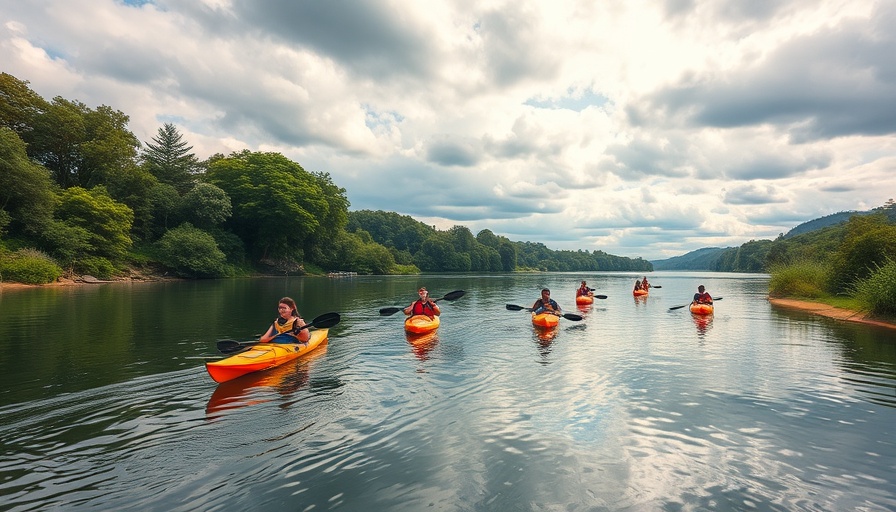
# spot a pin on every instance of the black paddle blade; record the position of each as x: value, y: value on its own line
x: 456, y: 294
x: 655, y: 286
x: 514, y: 307
x: 570, y: 316
x: 324, y: 321
x: 389, y: 311
x: 229, y: 346
x: 600, y: 296
x: 678, y: 307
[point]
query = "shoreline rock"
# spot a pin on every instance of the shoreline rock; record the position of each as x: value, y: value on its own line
x: 825, y: 310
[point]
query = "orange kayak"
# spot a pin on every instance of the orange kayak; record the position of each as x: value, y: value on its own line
x: 545, y: 320
x: 262, y: 356
x: 701, y: 309
x: 419, y: 324
x: 639, y: 293
x: 584, y: 299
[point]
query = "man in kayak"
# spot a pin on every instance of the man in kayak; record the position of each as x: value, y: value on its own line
x: 546, y: 304
x: 644, y: 284
x: 584, y: 291
x: 701, y: 297
x: 423, y: 306
x: 287, y: 328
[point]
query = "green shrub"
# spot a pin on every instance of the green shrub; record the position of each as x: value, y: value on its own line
x: 29, y: 266
x: 877, y: 292
x: 804, y: 278
x: 96, y: 266
x: 191, y: 252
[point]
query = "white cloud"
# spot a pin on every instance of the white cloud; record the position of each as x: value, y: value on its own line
x: 647, y: 128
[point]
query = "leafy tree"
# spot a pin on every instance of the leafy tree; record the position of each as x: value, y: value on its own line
x: 390, y: 229
x: 107, y: 221
x: 869, y: 243
x: 164, y: 210
x: 80, y: 146
x: 169, y: 159
x: 56, y: 139
x: 191, y: 252
x: 19, y: 105
x: 108, y: 148
x: 278, y: 206
x: 70, y: 243
x: 358, y: 251
x: 206, y: 205
x: 507, y: 251
x: 26, y: 190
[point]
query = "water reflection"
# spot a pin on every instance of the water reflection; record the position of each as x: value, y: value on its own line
x: 640, y: 300
x: 702, y: 322
x: 423, y: 344
x: 255, y: 388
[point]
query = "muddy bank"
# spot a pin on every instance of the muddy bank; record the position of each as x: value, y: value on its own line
x: 817, y: 308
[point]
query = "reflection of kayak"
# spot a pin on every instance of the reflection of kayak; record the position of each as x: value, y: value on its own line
x: 422, y: 344
x: 255, y: 388
x: 638, y: 293
x: 546, y: 320
x: 584, y: 299
x: 262, y: 356
x: 700, y: 309
x: 419, y: 324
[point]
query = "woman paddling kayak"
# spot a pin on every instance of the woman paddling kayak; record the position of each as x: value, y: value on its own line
x: 287, y: 328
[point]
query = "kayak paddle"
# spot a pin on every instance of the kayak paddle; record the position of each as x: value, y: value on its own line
x: 688, y: 304
x: 322, y: 321
x: 568, y: 316
x: 456, y: 294
x: 597, y: 296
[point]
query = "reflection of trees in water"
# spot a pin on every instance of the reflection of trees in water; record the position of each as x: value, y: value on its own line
x: 868, y: 357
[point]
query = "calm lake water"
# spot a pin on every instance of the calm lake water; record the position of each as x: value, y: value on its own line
x: 105, y: 403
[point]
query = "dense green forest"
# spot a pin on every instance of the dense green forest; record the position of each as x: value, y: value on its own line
x: 80, y: 194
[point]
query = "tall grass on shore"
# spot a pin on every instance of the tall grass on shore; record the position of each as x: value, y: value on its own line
x: 805, y: 278
x: 877, y: 292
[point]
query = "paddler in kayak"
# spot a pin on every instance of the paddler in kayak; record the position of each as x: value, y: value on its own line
x: 423, y: 306
x: 546, y: 304
x: 287, y: 328
x: 584, y: 291
x: 701, y: 297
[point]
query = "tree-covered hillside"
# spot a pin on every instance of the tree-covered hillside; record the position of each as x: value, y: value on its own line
x: 457, y: 250
x: 80, y: 194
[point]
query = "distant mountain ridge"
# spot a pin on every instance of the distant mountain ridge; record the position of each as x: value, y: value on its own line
x: 701, y: 259
x: 718, y: 258
x: 823, y: 222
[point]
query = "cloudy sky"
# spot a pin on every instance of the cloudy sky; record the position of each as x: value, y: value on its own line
x: 640, y: 128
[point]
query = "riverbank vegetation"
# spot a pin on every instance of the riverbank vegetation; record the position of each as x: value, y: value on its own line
x: 851, y: 265
x: 80, y: 194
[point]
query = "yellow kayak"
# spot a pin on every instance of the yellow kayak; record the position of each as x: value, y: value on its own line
x: 419, y: 324
x: 701, y: 309
x: 545, y: 320
x: 262, y: 356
